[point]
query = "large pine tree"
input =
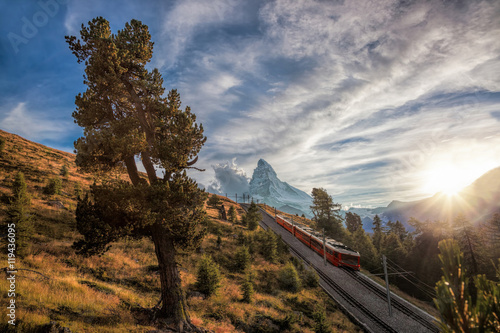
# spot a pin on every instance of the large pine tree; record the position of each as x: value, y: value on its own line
x: 125, y: 116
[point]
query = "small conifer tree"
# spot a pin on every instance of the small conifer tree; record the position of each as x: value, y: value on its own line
x: 233, y: 218
x: 247, y: 287
x: 208, y: 277
x: 242, y: 259
x: 289, y: 278
x: 270, y: 246
x: 18, y: 216
x: 242, y: 239
x: 253, y: 217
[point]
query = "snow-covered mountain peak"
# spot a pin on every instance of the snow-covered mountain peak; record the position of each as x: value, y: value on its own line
x: 266, y: 186
x: 264, y: 168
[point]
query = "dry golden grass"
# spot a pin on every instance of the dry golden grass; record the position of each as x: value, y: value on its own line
x: 296, y: 219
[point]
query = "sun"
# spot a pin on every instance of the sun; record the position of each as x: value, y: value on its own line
x: 448, y: 180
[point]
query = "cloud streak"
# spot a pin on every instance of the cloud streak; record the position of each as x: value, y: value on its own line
x: 359, y: 97
x: 30, y: 125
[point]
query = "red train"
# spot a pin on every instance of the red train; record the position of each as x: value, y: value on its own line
x: 336, y: 253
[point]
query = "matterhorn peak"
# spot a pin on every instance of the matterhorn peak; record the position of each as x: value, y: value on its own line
x: 267, y: 187
x: 262, y: 163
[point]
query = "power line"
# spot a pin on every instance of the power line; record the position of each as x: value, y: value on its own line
x: 413, y: 275
x: 429, y: 291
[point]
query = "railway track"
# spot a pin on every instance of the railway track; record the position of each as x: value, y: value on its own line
x: 346, y: 296
x: 395, y: 302
x: 370, y: 321
x: 342, y: 293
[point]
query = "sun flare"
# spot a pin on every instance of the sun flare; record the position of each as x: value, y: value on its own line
x: 445, y: 180
x: 450, y: 179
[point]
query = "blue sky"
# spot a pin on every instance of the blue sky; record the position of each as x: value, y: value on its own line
x: 371, y: 100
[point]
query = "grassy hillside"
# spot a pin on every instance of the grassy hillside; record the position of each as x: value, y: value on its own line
x: 115, y: 292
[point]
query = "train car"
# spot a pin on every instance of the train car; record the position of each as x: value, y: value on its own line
x: 284, y: 223
x: 348, y: 257
x: 342, y: 256
x: 317, y: 244
x: 336, y: 253
x: 303, y: 235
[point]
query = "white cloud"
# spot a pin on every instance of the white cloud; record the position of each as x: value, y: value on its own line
x: 230, y: 179
x: 189, y: 17
x: 310, y: 74
x: 32, y: 125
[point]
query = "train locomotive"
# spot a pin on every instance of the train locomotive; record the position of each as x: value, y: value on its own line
x: 336, y: 253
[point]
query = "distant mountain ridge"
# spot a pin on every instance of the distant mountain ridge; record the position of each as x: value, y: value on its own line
x: 478, y: 202
x: 268, y: 188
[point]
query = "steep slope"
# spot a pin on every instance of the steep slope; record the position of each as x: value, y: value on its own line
x: 267, y: 187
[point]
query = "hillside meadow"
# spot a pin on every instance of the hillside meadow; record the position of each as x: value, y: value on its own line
x: 115, y: 292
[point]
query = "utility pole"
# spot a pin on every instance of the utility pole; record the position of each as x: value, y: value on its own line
x: 324, y: 246
x: 236, y: 197
x: 387, y: 286
x: 275, y: 213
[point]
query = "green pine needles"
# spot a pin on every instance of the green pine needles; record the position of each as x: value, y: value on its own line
x: 459, y: 313
x: 208, y: 276
x: 18, y: 215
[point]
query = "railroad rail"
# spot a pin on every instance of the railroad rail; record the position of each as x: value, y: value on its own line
x: 395, y: 302
x: 353, y: 303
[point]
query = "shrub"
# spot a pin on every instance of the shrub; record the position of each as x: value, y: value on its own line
x: 213, y: 200
x: 242, y: 239
x: 208, y: 276
x: 310, y: 278
x: 242, y: 259
x: 297, y: 263
x: 78, y: 190
x: 289, y: 278
x: 53, y: 186
x: 2, y: 144
x: 320, y: 325
x: 282, y: 247
x: 64, y: 171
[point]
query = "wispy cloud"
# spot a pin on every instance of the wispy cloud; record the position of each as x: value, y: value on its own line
x: 358, y: 97
x: 31, y: 125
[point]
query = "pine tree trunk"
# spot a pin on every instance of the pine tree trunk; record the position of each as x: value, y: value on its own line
x: 174, y: 307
